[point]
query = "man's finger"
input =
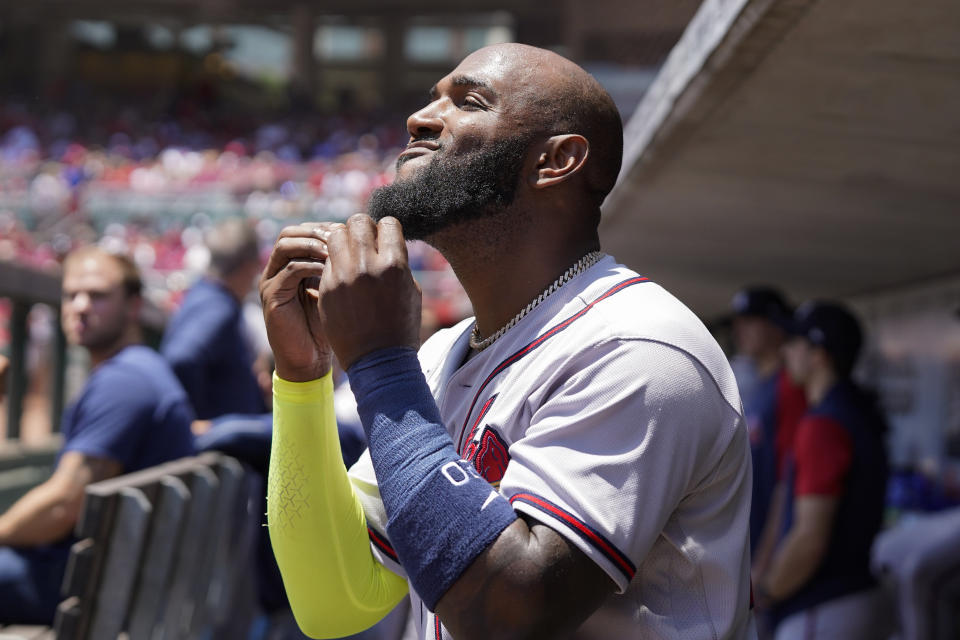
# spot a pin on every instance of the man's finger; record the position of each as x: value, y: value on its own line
x: 322, y: 226
x: 338, y: 248
x: 363, y: 239
x: 295, y: 248
x: 292, y: 273
x: 307, y: 230
x: 391, y: 244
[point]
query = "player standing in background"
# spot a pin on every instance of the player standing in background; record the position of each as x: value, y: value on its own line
x: 572, y: 458
x: 772, y: 402
x: 131, y: 414
x: 818, y: 584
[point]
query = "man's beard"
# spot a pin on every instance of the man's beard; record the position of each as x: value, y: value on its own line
x: 106, y: 338
x: 453, y: 188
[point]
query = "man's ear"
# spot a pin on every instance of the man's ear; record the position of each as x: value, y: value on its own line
x: 561, y: 157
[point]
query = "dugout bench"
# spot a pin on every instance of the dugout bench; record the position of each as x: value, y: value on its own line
x: 160, y: 554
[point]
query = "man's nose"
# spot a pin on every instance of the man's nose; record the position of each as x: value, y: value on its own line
x: 80, y: 302
x: 425, y: 122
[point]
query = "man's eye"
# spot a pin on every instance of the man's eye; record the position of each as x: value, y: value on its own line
x: 470, y: 101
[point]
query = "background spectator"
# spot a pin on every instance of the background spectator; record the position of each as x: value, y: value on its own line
x: 131, y: 414
x: 205, y: 342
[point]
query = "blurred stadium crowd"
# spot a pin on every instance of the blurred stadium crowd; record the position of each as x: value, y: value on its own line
x: 151, y: 186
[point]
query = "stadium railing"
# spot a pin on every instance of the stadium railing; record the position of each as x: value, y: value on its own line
x: 25, y: 287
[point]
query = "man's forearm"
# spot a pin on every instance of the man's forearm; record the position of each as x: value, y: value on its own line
x: 467, y: 553
x: 765, y: 547
x: 442, y: 513
x: 48, y: 512
x: 794, y: 563
x: 42, y: 516
x: 800, y: 553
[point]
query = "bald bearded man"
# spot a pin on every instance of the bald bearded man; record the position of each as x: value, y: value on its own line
x: 570, y: 462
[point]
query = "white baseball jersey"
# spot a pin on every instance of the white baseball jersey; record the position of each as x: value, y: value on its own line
x: 610, y: 414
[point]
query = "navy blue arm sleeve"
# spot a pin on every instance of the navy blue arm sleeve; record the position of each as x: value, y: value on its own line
x: 441, y: 514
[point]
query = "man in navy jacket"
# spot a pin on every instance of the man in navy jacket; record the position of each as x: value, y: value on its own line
x: 205, y: 341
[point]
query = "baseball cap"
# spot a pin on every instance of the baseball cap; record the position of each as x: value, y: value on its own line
x: 832, y: 326
x: 763, y: 302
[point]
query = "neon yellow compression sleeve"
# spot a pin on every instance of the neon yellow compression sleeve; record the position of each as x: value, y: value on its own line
x: 317, y: 527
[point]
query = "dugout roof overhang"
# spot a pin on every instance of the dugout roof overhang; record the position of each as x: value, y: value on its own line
x: 809, y: 144
x: 254, y: 10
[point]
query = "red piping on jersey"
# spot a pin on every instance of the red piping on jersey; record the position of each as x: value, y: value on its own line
x: 436, y: 626
x: 597, y: 540
x: 382, y: 544
x: 476, y: 423
x: 539, y: 341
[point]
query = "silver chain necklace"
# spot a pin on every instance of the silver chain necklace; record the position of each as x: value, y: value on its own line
x: 581, y: 265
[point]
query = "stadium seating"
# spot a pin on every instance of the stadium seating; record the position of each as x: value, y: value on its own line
x: 160, y: 554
